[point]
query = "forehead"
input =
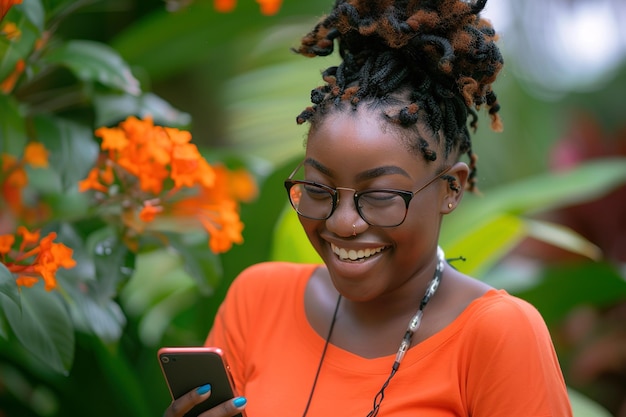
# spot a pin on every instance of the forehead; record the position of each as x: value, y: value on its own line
x: 362, y: 139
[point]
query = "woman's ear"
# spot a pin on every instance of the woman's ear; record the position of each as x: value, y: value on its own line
x: 457, y: 180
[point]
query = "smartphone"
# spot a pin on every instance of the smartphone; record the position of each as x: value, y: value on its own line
x: 187, y: 368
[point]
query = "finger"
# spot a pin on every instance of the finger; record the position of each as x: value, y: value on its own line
x: 227, y: 409
x: 186, y: 402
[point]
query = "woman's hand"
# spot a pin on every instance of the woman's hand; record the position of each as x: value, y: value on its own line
x: 182, y: 405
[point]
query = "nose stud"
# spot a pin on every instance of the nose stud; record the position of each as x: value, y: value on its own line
x: 353, y: 229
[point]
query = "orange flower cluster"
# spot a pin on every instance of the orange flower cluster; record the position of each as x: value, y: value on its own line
x: 34, y: 259
x: 13, y: 179
x: 268, y: 7
x: 154, y: 172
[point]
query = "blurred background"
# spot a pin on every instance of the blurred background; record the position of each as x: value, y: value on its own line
x: 549, y: 224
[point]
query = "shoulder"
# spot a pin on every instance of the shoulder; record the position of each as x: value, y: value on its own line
x: 270, y: 277
x: 266, y: 272
x: 499, y: 305
x: 501, y: 318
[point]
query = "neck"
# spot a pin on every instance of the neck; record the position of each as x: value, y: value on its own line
x: 397, y: 304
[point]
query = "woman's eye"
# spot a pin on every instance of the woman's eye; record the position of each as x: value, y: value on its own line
x: 316, y: 192
x: 379, y: 198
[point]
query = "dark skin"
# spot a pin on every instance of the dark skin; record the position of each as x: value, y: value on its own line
x: 381, y: 292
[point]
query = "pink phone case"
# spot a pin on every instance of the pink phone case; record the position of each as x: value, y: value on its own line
x: 187, y: 368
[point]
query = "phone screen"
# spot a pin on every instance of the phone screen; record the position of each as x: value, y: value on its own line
x: 186, y: 369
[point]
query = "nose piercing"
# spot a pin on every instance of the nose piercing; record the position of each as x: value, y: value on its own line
x: 353, y: 229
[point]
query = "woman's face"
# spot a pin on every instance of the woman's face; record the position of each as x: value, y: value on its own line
x: 354, y: 150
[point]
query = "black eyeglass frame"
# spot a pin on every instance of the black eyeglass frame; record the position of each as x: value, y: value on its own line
x: 407, y: 196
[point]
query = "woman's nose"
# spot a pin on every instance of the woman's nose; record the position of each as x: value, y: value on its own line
x: 345, y: 218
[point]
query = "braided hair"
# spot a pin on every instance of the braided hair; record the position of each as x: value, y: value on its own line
x: 438, y: 54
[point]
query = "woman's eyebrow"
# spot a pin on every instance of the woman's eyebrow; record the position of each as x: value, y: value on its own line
x: 381, y: 171
x: 362, y: 176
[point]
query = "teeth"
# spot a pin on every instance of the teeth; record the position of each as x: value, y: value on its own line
x: 353, y: 255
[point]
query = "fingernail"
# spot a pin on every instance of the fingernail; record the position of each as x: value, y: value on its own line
x: 203, y: 389
x: 240, y: 402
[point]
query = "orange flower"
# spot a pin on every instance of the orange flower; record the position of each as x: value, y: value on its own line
x: 269, y: 7
x: 28, y: 238
x: 5, y: 5
x: 36, y: 155
x: 9, y: 82
x: 35, y: 259
x: 11, y: 31
x: 112, y: 138
x: 6, y: 242
x: 92, y: 182
x: 242, y: 186
x: 149, y: 211
x: 224, y: 6
x: 216, y: 209
x: 13, y: 179
x: 26, y: 281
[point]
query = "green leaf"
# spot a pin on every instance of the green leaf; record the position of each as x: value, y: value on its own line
x: 484, y: 243
x: 95, y: 62
x: 526, y: 197
x: 198, y: 261
x: 113, y: 108
x: 43, y: 326
x: 34, y: 11
x: 540, y: 193
x: 12, y: 127
x: 72, y: 151
x: 103, y: 266
x: 587, y: 283
x: 114, y: 263
x: 563, y: 237
x: 8, y: 286
x: 91, y: 313
x: 290, y: 243
x: 585, y: 407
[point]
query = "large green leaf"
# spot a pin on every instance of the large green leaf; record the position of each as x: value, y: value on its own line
x: 588, y: 283
x: 112, y: 108
x: 198, y: 261
x: 539, y: 193
x: 290, y: 243
x: 12, y: 127
x: 73, y: 152
x: 95, y: 62
x: 8, y: 285
x: 585, y: 407
x: 482, y: 244
x: 43, y: 326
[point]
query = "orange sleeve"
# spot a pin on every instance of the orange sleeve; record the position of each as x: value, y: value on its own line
x: 512, y: 368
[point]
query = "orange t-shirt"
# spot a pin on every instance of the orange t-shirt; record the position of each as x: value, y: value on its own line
x: 496, y: 359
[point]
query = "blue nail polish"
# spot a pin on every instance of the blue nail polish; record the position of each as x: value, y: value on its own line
x: 239, y: 402
x: 203, y: 389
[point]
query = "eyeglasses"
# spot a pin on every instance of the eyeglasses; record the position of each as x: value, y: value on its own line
x: 382, y: 207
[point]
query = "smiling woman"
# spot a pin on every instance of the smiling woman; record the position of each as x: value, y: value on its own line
x: 384, y: 326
